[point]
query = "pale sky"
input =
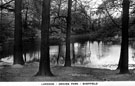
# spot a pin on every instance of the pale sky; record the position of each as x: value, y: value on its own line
x: 93, y: 3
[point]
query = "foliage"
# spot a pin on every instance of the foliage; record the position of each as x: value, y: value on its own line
x: 6, y: 26
x: 100, y: 21
x: 30, y: 17
x: 112, y: 9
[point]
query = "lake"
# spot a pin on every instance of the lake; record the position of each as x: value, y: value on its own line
x: 88, y: 54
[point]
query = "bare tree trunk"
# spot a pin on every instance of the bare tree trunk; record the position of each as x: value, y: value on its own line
x: 68, y: 33
x: 75, y: 5
x: 59, y: 5
x: 59, y: 52
x: 124, y: 46
x: 44, y: 66
x: 73, y: 50
x: 18, y: 55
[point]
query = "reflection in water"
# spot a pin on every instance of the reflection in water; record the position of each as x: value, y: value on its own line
x: 88, y: 54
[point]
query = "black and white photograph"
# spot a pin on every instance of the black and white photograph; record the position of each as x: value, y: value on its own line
x: 67, y: 42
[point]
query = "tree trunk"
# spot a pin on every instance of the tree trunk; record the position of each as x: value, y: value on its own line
x: 68, y: 33
x: 75, y: 5
x: 73, y: 50
x: 119, y: 62
x: 1, y: 15
x: 59, y: 52
x: 44, y: 66
x: 59, y: 5
x: 124, y: 45
x: 18, y: 55
x: 25, y: 20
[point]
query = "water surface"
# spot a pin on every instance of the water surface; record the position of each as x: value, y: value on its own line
x: 88, y: 54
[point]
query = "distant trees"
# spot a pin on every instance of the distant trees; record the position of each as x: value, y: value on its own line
x: 5, y: 23
x: 30, y: 18
x: 44, y: 66
x: 18, y: 55
x: 109, y: 23
x: 30, y: 26
x: 81, y: 18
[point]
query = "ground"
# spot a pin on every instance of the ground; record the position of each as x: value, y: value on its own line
x: 27, y: 72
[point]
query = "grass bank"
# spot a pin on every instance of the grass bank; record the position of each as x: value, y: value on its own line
x: 27, y: 72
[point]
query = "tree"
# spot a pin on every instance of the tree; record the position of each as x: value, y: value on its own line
x: 116, y: 5
x: 124, y: 44
x: 44, y: 66
x: 73, y: 51
x: 68, y: 33
x: 18, y: 56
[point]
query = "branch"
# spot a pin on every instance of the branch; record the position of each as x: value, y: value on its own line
x: 6, y: 6
x: 58, y: 17
x: 9, y: 9
x: 132, y: 23
x: 111, y: 17
x: 6, y: 3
